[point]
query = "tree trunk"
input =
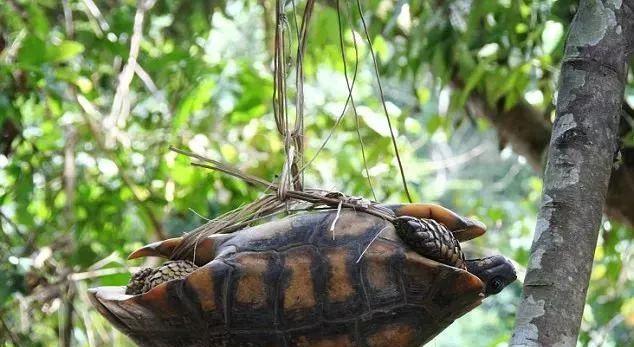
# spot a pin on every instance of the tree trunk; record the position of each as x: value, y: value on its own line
x: 580, y: 158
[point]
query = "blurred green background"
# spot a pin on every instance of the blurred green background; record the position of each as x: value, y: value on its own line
x: 86, y: 175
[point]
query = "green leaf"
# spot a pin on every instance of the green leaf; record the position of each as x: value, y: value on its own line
x: 193, y: 101
x: 474, y: 78
x: 32, y: 51
x: 38, y: 23
x: 64, y: 51
x: 423, y: 94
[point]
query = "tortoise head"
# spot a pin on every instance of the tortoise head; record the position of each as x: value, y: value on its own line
x: 495, y: 271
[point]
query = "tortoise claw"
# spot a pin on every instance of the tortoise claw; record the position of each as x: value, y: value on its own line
x: 463, y: 228
x: 163, y: 249
x: 472, y: 229
x: 205, y: 249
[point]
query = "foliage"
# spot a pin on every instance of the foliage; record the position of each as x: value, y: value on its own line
x: 83, y: 183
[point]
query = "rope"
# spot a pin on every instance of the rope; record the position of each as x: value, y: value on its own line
x: 293, y: 136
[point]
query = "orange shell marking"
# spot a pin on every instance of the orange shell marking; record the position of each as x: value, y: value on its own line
x: 339, y: 283
x: 393, y: 335
x: 377, y: 259
x: 251, y: 286
x: 300, y: 292
x: 202, y: 283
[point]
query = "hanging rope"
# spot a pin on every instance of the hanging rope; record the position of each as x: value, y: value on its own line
x: 293, y: 136
x: 290, y: 193
x: 280, y: 107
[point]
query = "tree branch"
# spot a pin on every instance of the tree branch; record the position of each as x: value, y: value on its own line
x: 522, y: 126
x: 121, y: 100
x: 7, y: 330
x: 580, y: 158
x: 528, y: 131
x: 97, y: 133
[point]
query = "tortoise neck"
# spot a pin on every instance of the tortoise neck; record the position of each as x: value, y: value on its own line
x: 474, y: 266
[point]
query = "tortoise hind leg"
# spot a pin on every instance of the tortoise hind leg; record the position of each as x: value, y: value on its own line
x: 462, y: 228
x: 206, y: 249
x: 163, y: 249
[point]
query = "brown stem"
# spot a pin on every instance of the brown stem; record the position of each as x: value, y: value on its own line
x: 69, y: 175
x: 8, y: 332
x: 69, y: 309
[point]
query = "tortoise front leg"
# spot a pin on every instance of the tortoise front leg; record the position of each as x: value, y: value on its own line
x: 462, y: 228
x: 430, y: 239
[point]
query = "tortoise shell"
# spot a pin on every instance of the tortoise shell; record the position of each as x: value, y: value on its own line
x: 294, y: 282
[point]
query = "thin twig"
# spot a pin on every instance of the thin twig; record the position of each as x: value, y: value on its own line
x: 68, y: 19
x: 309, y: 195
x: 299, y: 109
x: 121, y: 101
x: 14, y: 338
x: 89, y: 111
x: 14, y: 226
x: 345, y: 106
x: 69, y: 309
x: 198, y: 214
x: 96, y: 14
x: 69, y: 175
x: 369, y: 244
x: 145, y: 78
x: 334, y: 221
x: 389, y: 122
x: 350, y: 89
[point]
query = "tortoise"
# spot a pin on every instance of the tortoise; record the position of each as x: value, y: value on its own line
x: 298, y: 281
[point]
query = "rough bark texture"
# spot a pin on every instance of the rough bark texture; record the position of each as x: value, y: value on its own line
x: 580, y: 158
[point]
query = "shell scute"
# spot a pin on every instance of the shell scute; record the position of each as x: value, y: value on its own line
x: 461, y: 292
x: 300, y: 291
x: 254, y: 339
x: 346, y: 228
x: 343, y: 340
x: 400, y: 326
x: 252, y: 291
x: 160, y: 309
x: 399, y: 334
x: 381, y: 276
x: 324, y: 335
x: 201, y: 285
x: 278, y: 234
x: 343, y: 297
x: 419, y: 277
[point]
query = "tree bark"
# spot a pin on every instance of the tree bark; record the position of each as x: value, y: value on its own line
x: 580, y: 158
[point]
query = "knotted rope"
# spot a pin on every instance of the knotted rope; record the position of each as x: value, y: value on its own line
x: 291, y: 176
x: 289, y: 192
